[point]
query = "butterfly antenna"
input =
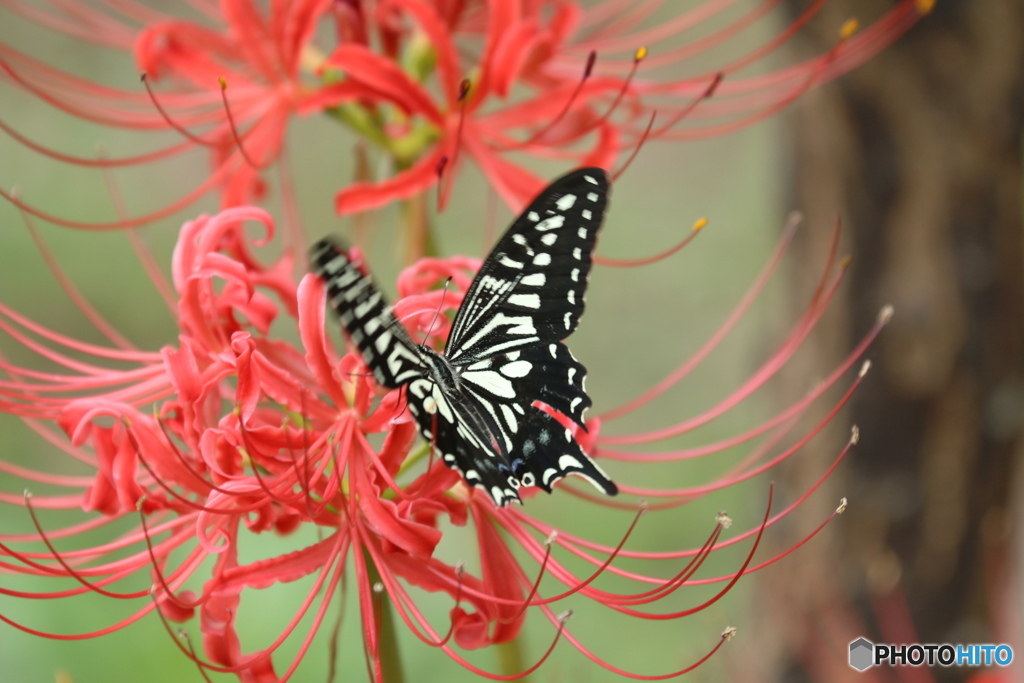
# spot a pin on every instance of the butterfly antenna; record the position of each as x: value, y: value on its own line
x: 437, y: 313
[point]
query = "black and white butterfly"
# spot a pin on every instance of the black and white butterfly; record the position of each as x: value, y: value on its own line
x: 504, y: 354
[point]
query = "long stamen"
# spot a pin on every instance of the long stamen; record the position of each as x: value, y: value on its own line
x: 698, y: 225
x: 67, y: 567
x: 636, y: 148
x: 234, y: 129
x: 168, y: 591
x: 167, y: 118
x: 538, y: 134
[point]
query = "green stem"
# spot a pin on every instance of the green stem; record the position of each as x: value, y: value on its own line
x: 391, y: 670
x: 510, y: 659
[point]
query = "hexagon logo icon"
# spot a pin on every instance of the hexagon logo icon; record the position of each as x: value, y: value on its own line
x: 862, y: 654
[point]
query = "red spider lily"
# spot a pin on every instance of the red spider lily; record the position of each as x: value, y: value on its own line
x: 421, y: 81
x: 234, y: 432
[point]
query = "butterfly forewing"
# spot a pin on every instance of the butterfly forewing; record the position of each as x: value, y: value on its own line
x: 480, y: 402
x: 531, y: 287
x: 381, y: 339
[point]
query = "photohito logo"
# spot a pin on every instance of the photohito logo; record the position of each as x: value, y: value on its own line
x: 865, y: 654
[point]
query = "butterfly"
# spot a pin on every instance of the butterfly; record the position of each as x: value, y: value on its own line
x: 478, y: 402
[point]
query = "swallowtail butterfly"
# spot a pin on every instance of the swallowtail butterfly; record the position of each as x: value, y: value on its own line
x: 504, y: 354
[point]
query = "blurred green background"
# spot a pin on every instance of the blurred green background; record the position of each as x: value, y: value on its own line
x: 640, y: 324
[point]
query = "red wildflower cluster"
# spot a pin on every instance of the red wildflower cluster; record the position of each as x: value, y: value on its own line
x: 251, y: 423
x: 234, y: 432
x: 426, y: 82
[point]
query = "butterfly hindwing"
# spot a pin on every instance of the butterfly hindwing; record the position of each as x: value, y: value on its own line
x: 545, y: 452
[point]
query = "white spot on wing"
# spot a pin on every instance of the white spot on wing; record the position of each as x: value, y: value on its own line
x: 549, y: 474
x: 567, y: 461
x: 577, y: 253
x: 590, y: 179
x: 362, y: 309
x: 510, y: 418
x: 592, y: 196
x: 525, y: 300
x: 506, y: 261
x: 491, y: 381
x: 534, y: 280
x: 551, y: 222
x: 549, y: 238
x: 542, y: 260
x: 533, y: 216
x: 587, y: 215
x: 565, y: 203
x: 519, y: 368
x: 383, y: 341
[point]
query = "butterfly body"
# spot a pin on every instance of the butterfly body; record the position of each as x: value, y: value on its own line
x: 481, y: 402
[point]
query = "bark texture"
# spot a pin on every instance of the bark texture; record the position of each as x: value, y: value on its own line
x: 920, y: 153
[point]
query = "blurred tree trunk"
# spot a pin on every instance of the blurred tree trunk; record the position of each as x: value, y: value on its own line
x: 919, y: 152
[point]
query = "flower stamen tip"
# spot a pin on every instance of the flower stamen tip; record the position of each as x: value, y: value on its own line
x: 700, y: 223
x: 564, y: 616
x: 378, y: 587
x: 642, y: 507
x: 223, y: 82
x: 842, y: 506
x: 924, y: 6
x: 551, y: 538
x: 845, y: 262
x: 854, y: 435
x: 729, y: 633
x: 140, y: 502
x: 885, y: 315
x: 864, y: 368
x: 723, y: 519
x: 464, y: 88
x: 27, y: 494
x: 850, y: 27
x: 640, y: 53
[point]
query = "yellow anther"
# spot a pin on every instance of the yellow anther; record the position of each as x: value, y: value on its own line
x: 640, y: 53
x: 699, y: 224
x: 924, y: 6
x: 223, y: 82
x: 850, y: 27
